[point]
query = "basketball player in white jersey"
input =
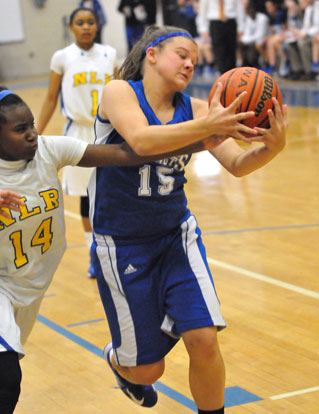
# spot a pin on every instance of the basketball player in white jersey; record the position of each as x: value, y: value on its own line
x: 79, y: 73
x: 32, y: 230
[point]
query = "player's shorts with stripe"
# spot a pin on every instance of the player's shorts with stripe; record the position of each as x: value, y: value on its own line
x: 155, y: 290
x: 16, y: 324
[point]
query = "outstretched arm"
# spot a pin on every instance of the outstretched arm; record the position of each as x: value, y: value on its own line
x: 119, y: 103
x: 123, y: 155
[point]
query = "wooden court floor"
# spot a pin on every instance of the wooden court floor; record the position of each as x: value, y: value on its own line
x: 262, y: 235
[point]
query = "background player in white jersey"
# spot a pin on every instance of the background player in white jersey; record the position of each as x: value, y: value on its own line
x: 152, y: 270
x: 32, y: 230
x: 79, y: 73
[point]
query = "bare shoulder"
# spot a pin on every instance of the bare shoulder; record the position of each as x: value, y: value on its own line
x: 199, y: 106
x: 116, y: 92
x: 116, y: 86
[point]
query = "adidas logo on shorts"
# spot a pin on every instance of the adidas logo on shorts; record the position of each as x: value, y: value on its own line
x: 130, y: 269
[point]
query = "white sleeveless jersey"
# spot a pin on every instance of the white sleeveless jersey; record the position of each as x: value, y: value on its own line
x: 33, y: 240
x: 84, y: 74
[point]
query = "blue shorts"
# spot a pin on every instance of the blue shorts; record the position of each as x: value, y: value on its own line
x: 153, y: 291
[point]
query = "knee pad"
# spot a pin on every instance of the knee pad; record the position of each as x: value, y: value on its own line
x: 10, y: 380
x: 84, y: 206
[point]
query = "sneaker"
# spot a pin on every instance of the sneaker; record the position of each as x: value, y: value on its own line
x: 208, y: 72
x: 91, y: 271
x: 284, y: 69
x: 269, y: 69
x: 142, y: 395
x: 315, y: 67
x: 91, y: 274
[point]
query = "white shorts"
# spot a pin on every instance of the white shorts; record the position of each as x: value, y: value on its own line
x: 16, y: 324
x: 75, y: 179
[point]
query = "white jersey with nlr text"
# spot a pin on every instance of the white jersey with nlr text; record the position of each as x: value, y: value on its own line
x: 84, y: 74
x: 33, y: 240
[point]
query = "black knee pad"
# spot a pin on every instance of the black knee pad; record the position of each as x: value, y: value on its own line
x: 84, y: 206
x: 10, y: 380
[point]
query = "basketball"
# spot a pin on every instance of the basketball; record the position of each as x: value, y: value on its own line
x: 260, y: 86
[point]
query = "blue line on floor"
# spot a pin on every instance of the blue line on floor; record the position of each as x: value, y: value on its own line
x: 85, y: 322
x: 233, y: 395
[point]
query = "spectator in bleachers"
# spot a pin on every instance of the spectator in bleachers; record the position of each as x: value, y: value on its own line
x: 253, y: 39
x: 315, y: 41
x: 136, y: 19
x: 277, y: 26
x: 294, y: 23
x: 302, y: 54
x: 187, y: 16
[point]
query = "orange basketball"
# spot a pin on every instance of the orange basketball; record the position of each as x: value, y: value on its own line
x: 260, y: 86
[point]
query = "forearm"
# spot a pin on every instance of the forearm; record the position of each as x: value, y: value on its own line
x: 159, y: 139
x: 45, y: 114
x: 123, y: 155
x: 251, y: 160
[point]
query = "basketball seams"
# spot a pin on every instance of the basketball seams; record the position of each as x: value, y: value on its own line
x: 252, y: 91
x: 264, y: 123
x: 226, y: 85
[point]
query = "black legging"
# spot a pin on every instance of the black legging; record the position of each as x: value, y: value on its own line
x: 10, y: 380
x: 224, y: 41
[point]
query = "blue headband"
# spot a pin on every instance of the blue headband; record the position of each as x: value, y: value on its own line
x: 5, y: 93
x: 167, y: 36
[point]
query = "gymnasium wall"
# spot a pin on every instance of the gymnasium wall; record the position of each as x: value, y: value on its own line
x: 45, y: 31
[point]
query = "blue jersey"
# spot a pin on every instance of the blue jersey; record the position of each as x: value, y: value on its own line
x: 146, y: 200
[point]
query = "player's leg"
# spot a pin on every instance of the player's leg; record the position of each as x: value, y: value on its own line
x: 10, y: 380
x: 142, y: 374
x: 193, y: 305
x: 84, y: 210
x: 129, y: 286
x: 10, y: 351
x: 206, y: 368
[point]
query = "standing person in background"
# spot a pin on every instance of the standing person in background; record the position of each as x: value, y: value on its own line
x: 152, y: 272
x: 170, y: 12
x: 222, y: 19
x: 96, y: 6
x: 151, y: 10
x: 79, y: 73
x: 136, y: 19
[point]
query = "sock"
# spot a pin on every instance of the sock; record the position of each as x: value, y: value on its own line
x: 220, y: 411
x: 88, y: 237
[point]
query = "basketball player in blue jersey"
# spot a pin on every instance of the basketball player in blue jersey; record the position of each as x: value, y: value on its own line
x: 152, y: 271
x: 32, y: 230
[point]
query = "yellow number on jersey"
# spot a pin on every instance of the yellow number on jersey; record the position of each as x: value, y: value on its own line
x: 42, y: 237
x: 95, y: 101
x: 20, y: 258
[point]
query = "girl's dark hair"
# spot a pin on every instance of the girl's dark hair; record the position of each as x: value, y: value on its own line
x: 75, y: 12
x: 5, y: 103
x: 132, y: 67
